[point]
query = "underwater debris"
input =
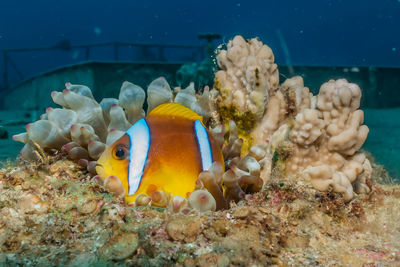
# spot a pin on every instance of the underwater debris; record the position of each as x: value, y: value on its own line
x: 3, y: 132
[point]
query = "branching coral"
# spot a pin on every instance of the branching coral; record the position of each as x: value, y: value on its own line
x: 247, y: 79
x: 298, y: 131
x: 339, y: 102
x: 328, y: 139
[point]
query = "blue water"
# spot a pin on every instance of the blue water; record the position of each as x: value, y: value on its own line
x: 319, y: 32
x: 314, y: 32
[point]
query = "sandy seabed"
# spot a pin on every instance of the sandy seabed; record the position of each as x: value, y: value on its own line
x: 51, y: 213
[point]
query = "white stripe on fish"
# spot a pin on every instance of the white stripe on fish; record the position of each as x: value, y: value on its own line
x: 204, y: 145
x: 139, y: 136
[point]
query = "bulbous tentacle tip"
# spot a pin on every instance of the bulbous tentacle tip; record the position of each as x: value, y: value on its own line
x: 48, y: 110
x: 67, y: 84
x: 228, y: 175
x: 250, y: 184
x: 98, y: 180
x: 219, y: 127
x: 68, y: 146
x: 22, y: 137
x: 249, y: 197
x: 199, y: 184
x: 216, y: 168
x: 113, y: 184
x: 186, y: 210
x: 202, y: 200
x: 177, y: 204
x: 27, y: 127
x: 91, y: 167
x: 160, y: 199
x: 142, y: 200
x: 77, y: 153
x: 83, y: 163
x: 53, y: 93
x: 65, y: 91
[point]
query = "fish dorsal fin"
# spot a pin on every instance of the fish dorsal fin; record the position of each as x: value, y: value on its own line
x: 176, y: 110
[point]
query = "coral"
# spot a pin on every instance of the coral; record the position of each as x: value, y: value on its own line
x: 327, y: 139
x: 314, y: 137
x: 338, y: 101
x: 262, y: 127
x: 308, y: 128
x: 248, y: 75
x: 245, y: 83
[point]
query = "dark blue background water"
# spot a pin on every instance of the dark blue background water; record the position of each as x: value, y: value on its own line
x: 319, y: 32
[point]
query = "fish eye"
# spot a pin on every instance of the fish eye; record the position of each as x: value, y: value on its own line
x: 120, y: 152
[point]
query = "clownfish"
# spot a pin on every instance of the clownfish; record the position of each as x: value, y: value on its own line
x: 165, y: 151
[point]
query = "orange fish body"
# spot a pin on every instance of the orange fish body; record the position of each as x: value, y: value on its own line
x: 165, y: 151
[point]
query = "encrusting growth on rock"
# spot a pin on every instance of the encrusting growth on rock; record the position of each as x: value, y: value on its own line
x: 54, y: 214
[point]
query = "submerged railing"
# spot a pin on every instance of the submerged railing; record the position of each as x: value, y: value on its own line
x: 113, y: 51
